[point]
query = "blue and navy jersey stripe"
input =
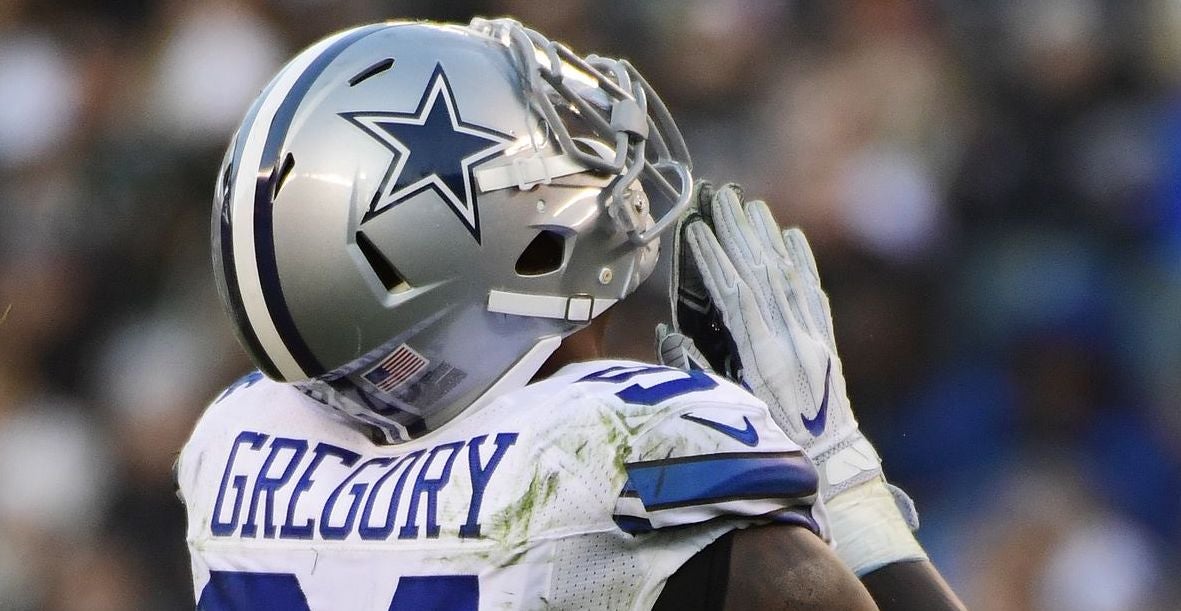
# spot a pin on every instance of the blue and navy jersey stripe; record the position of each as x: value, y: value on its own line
x: 633, y: 525
x: 719, y: 478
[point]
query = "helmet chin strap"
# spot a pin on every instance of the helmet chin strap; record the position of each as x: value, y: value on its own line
x: 527, y: 172
x: 574, y: 308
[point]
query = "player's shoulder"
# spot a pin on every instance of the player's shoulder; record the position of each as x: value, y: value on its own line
x: 688, y: 446
x: 250, y: 397
x: 255, y: 403
x: 247, y: 413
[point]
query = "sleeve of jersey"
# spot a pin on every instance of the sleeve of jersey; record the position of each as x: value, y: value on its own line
x: 714, y: 461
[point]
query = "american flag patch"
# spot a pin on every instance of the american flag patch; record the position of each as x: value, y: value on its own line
x: 396, y: 369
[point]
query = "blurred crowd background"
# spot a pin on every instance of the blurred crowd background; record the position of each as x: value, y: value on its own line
x: 993, y: 190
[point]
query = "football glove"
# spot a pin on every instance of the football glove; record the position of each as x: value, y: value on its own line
x: 749, y: 295
x: 678, y: 350
x: 698, y: 329
x: 776, y: 333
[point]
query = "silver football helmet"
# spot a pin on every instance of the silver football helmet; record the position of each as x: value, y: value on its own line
x: 412, y: 215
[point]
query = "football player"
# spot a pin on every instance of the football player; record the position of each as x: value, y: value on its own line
x: 418, y: 231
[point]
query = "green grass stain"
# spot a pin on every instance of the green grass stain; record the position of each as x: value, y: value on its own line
x: 512, y: 525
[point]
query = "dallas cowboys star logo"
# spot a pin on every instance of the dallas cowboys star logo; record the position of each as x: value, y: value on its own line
x: 434, y: 149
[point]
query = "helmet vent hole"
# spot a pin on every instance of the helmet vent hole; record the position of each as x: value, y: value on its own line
x: 543, y: 255
x: 284, y: 172
x: 373, y: 70
x: 393, y: 280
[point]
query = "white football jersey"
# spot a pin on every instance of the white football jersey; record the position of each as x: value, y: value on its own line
x: 584, y: 490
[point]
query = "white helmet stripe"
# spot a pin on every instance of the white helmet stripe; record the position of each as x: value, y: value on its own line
x: 246, y: 182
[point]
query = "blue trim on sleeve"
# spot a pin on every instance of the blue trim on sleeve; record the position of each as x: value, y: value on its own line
x: 798, y: 516
x: 633, y: 525
x: 717, y: 478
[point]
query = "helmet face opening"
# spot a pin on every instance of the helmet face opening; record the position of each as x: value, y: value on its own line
x: 412, y: 212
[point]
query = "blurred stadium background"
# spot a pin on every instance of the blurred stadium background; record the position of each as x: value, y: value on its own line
x: 993, y: 189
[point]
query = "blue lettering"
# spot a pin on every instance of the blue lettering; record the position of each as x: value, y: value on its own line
x: 382, y: 532
x: 267, y: 485
x: 331, y: 532
x: 692, y: 381
x: 430, y: 487
x: 481, y: 475
x: 430, y: 478
x: 219, y: 528
x: 347, y: 458
x: 620, y: 373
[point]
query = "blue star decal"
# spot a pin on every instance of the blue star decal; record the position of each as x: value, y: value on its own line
x: 434, y: 149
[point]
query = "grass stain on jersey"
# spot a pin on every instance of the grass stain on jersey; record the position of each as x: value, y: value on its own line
x: 580, y: 451
x: 618, y: 434
x: 512, y: 525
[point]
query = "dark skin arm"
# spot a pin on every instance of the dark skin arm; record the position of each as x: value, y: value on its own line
x: 910, y: 585
x: 764, y: 567
x: 790, y: 568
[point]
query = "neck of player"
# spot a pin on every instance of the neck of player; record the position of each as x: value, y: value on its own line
x: 584, y: 345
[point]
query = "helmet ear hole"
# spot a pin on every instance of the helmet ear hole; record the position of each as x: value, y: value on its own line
x: 543, y: 255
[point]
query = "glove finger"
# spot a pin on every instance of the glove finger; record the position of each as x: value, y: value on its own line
x: 815, y: 301
x: 729, y: 293
x: 662, y: 331
x: 685, y: 287
x: 767, y: 228
x: 769, y: 234
x: 740, y: 242
x: 732, y: 228
x: 800, y: 252
x: 703, y: 194
x: 678, y: 350
x: 716, y: 270
x: 688, y: 299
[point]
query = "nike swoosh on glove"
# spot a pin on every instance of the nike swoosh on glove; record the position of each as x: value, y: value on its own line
x: 764, y: 284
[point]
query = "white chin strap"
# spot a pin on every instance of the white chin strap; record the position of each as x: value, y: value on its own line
x: 575, y: 308
x: 526, y: 172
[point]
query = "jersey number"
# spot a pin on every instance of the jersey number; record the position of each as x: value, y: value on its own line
x: 638, y: 393
x: 234, y: 591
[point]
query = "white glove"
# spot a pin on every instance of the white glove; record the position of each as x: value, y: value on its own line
x: 765, y: 285
x: 678, y: 350
x: 767, y: 288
